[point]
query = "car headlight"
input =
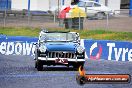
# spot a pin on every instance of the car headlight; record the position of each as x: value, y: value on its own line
x: 80, y: 49
x: 43, y: 48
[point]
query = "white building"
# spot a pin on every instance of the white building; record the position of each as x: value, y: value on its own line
x: 113, y: 4
x: 45, y: 5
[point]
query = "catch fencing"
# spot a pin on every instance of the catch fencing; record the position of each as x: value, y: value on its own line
x: 121, y: 21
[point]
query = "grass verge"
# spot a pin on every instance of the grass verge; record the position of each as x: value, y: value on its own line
x: 85, y: 34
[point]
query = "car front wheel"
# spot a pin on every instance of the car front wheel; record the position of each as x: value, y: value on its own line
x: 76, y: 66
x: 38, y: 65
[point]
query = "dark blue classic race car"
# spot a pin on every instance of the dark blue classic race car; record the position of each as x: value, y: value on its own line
x: 59, y: 48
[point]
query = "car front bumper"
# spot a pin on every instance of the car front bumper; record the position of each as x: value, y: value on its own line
x: 53, y: 59
x: 110, y: 13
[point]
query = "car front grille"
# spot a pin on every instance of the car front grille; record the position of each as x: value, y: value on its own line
x: 61, y: 55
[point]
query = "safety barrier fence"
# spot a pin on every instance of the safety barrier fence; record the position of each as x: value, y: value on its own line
x: 17, y: 18
x: 14, y: 18
x: 95, y: 49
x: 17, y: 45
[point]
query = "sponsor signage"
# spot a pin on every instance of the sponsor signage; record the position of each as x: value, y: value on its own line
x: 17, y: 45
x: 83, y: 78
x: 95, y: 49
x: 108, y: 50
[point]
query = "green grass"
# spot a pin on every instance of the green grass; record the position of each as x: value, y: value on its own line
x: 85, y: 34
x: 20, y: 31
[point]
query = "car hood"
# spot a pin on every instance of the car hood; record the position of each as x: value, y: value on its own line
x: 61, y: 47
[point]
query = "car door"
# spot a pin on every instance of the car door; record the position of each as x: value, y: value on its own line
x: 97, y: 7
x: 90, y: 9
x: 87, y: 7
x: 81, y: 5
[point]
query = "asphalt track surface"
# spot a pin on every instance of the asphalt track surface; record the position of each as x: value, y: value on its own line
x: 19, y: 72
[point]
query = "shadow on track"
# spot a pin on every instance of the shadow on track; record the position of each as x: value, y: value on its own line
x: 58, y: 69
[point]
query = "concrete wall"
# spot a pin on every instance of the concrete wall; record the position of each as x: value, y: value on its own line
x: 33, y: 4
x: 113, y: 4
x: 67, y: 2
x: 19, y: 4
x: 43, y: 5
x: 53, y: 2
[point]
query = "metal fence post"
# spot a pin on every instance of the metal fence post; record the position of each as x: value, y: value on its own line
x: 79, y: 22
x: 29, y: 12
x: 54, y: 17
x: 107, y: 20
x: 5, y: 17
x: 28, y: 20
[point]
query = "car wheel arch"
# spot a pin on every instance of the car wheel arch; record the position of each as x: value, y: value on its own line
x: 100, y: 15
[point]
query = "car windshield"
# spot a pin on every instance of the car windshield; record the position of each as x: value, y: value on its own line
x: 89, y: 4
x: 61, y: 37
x: 81, y: 4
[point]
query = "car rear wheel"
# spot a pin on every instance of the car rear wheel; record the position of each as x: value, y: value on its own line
x: 39, y: 65
x: 100, y: 15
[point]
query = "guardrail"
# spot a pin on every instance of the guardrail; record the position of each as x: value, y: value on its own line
x: 24, y: 13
